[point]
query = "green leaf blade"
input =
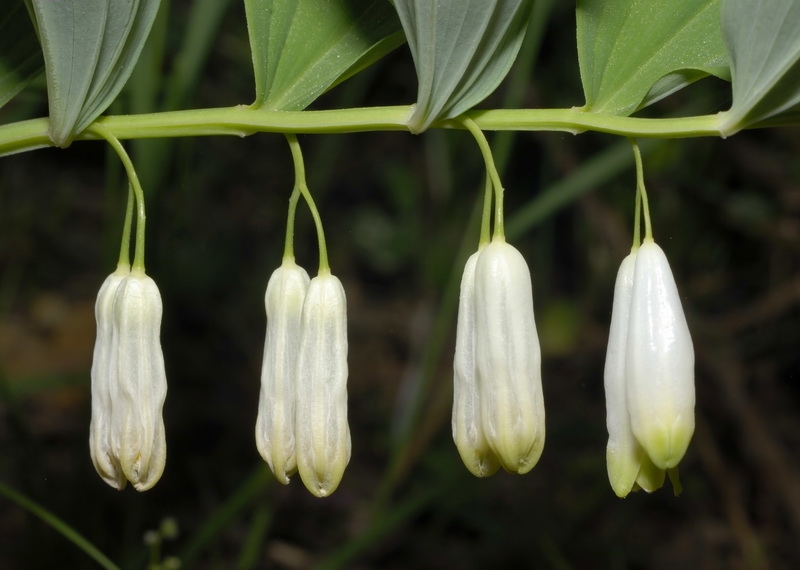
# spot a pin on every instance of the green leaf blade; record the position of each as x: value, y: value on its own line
x: 635, y: 52
x: 302, y: 48
x: 462, y: 50
x: 763, y: 39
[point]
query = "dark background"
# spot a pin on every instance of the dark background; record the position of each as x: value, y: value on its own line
x: 399, y: 212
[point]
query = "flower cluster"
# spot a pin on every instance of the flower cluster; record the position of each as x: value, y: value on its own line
x: 302, y: 411
x: 129, y: 384
x: 498, y: 405
x: 649, y: 375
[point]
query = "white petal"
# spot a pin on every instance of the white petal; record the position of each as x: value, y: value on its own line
x: 138, y: 427
x: 508, y: 358
x: 283, y: 301
x: 467, y: 427
x: 660, y: 361
x: 322, y: 433
x: 104, y: 381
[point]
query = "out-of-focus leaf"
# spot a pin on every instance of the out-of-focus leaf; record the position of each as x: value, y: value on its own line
x: 763, y: 39
x: 90, y: 48
x: 462, y: 50
x: 635, y: 52
x: 20, y: 54
x: 302, y: 48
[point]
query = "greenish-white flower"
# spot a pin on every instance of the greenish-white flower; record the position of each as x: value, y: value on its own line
x: 659, y: 361
x: 649, y: 375
x: 628, y: 464
x: 467, y: 426
x: 275, y: 425
x: 508, y: 358
x: 129, y: 384
x: 322, y: 434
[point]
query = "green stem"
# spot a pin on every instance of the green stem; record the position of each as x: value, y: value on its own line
x: 491, y: 172
x: 125, y: 247
x: 486, y: 217
x: 242, y: 120
x: 641, y: 191
x: 138, y: 254
x: 57, y: 524
x: 288, y: 248
x: 300, y: 184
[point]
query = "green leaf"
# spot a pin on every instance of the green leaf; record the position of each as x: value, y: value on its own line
x: 302, y: 48
x: 635, y: 52
x: 462, y: 50
x: 90, y: 48
x: 20, y: 55
x: 763, y: 39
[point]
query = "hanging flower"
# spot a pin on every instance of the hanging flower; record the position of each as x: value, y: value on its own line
x: 283, y: 300
x: 129, y: 383
x: 649, y: 375
x: 467, y: 426
x: 321, y: 429
x: 508, y: 358
x: 104, y: 383
x: 659, y: 361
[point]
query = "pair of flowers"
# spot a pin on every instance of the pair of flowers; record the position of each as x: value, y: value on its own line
x: 649, y: 375
x: 498, y: 405
x: 129, y: 383
x: 302, y: 411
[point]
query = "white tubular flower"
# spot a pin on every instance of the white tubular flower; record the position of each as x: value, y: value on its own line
x: 104, y: 380
x: 659, y: 361
x: 467, y: 427
x: 283, y: 301
x: 321, y: 430
x: 137, y: 429
x: 627, y: 462
x: 508, y: 358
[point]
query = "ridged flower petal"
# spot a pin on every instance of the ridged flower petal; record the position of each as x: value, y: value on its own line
x: 508, y: 358
x: 104, y: 383
x: 137, y: 425
x: 467, y: 427
x: 286, y: 292
x: 321, y: 429
x: 660, y: 361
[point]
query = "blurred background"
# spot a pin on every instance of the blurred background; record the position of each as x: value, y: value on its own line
x: 400, y: 213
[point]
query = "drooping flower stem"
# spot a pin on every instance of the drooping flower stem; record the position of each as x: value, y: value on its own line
x: 125, y: 246
x: 300, y: 184
x: 133, y: 179
x: 491, y: 172
x: 486, y: 216
x: 642, y: 192
x: 288, y: 249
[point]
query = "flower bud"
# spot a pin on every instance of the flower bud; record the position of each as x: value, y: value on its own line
x: 283, y: 301
x: 508, y: 358
x: 129, y: 383
x: 628, y: 464
x: 467, y: 427
x: 659, y: 361
x: 104, y: 382
x: 321, y: 430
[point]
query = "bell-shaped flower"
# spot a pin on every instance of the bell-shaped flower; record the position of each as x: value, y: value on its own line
x: 275, y: 425
x: 629, y: 466
x: 467, y: 426
x: 659, y: 361
x: 322, y: 434
x: 128, y: 440
x: 104, y: 383
x: 508, y: 358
